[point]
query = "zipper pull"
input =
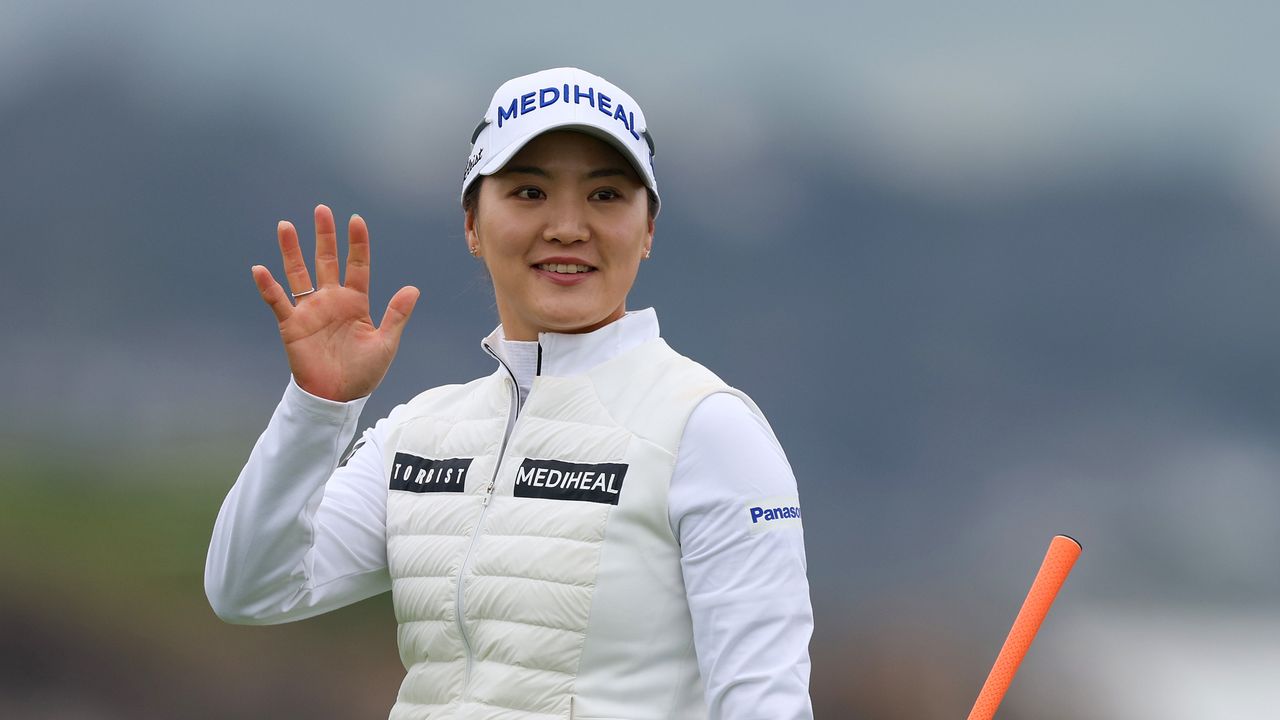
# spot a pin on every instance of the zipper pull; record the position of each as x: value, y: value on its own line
x: 488, y: 493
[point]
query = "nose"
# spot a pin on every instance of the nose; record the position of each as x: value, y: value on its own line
x: 567, y: 223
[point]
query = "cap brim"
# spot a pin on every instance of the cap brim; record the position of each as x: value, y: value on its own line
x: 495, y: 163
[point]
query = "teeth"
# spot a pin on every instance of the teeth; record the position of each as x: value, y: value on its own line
x: 566, y: 269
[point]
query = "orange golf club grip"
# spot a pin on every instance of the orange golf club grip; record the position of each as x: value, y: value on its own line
x: 1062, y: 554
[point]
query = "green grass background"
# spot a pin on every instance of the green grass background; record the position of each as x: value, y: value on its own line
x: 103, y: 613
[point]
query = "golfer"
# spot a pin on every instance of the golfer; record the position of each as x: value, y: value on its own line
x: 601, y: 528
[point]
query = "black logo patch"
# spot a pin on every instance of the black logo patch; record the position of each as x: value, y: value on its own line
x: 423, y: 475
x: 555, y: 480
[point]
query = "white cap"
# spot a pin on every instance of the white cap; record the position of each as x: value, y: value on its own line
x: 559, y: 99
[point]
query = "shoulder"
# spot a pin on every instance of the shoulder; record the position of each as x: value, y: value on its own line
x: 726, y: 414
x: 723, y: 415
x: 652, y: 390
x: 727, y: 436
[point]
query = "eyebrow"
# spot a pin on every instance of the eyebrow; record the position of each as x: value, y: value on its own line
x: 535, y: 170
x: 526, y: 170
x: 607, y: 172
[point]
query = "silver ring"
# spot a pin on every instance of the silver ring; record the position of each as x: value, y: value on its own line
x: 304, y: 292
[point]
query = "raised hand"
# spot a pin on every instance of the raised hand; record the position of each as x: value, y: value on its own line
x: 334, y: 350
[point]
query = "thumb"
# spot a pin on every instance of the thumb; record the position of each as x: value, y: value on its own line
x: 398, y: 311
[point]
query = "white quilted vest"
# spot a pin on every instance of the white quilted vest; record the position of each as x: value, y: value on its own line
x: 522, y: 591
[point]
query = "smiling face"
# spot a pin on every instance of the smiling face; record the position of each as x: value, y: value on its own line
x: 562, y: 228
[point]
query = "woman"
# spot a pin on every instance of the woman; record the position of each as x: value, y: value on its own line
x: 599, y: 529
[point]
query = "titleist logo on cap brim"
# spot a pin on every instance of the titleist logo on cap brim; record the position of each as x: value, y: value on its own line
x: 472, y: 162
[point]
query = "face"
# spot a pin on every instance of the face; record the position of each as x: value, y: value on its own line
x: 562, y: 229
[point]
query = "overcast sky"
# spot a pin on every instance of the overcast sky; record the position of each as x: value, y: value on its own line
x: 946, y: 98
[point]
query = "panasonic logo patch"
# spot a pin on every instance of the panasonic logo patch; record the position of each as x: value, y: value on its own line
x: 424, y: 475
x: 771, y: 513
x: 556, y: 480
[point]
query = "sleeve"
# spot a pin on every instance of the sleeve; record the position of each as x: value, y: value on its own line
x: 734, y: 507
x: 298, y: 534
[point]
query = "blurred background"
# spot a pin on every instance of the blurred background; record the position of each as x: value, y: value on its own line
x: 993, y: 271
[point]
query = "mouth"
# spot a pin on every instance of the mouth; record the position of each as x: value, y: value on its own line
x: 564, y: 269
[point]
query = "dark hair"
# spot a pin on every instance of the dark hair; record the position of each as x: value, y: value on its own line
x: 471, y: 198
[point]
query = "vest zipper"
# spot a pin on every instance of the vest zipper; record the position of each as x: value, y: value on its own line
x: 459, y: 605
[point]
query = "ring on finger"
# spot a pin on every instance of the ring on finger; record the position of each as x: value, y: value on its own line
x: 303, y: 293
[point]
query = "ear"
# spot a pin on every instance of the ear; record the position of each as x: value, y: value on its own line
x: 469, y: 228
x: 648, y: 241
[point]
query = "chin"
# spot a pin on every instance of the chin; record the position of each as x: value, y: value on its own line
x: 571, y: 324
x: 574, y: 327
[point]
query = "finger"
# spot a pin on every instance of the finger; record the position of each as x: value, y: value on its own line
x: 295, y: 268
x: 272, y: 294
x: 398, y: 312
x: 326, y: 248
x: 357, y: 254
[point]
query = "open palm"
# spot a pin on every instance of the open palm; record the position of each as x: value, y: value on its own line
x: 334, y: 349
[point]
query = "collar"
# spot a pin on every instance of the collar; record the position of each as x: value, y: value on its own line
x: 562, y: 354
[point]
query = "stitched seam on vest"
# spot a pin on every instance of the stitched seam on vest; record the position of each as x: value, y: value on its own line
x: 534, y: 579
x: 453, y: 420
x: 491, y: 661
x: 655, y: 346
x: 454, y: 424
x: 674, y: 698
x: 616, y: 424
x: 604, y: 407
x: 651, y: 443
x: 582, y: 423
x: 712, y: 390
x: 542, y: 537
x: 525, y: 710
x: 575, y: 631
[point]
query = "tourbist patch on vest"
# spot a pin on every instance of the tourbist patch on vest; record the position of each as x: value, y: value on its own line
x: 424, y: 475
x: 556, y: 480
x: 772, y: 513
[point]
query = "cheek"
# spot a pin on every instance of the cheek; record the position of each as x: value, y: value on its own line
x: 500, y: 237
x: 632, y: 231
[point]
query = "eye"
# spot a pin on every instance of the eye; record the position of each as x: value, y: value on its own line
x: 529, y: 193
x: 605, y: 194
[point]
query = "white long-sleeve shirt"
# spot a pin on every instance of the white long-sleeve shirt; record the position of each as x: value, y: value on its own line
x: 296, y: 537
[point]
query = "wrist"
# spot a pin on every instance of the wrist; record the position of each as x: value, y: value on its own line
x: 320, y: 406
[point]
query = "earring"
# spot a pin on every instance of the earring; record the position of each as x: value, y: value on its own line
x: 646, y: 253
x: 475, y: 251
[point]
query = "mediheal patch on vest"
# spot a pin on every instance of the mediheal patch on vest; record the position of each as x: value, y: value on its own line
x: 424, y: 475
x: 556, y: 480
x: 772, y: 513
